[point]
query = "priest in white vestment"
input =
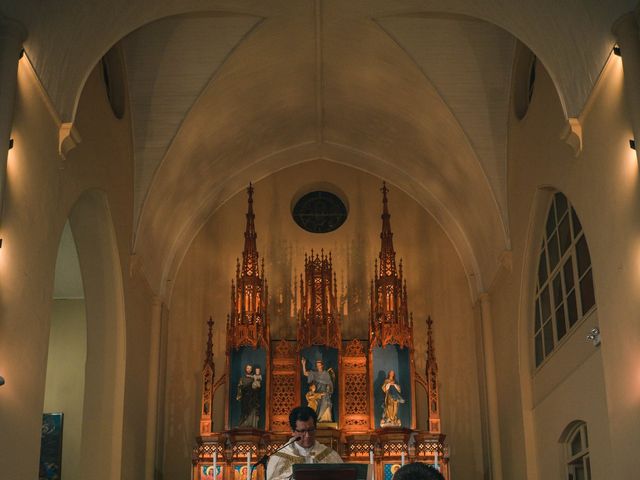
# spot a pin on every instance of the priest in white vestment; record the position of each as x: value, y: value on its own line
x: 304, y: 447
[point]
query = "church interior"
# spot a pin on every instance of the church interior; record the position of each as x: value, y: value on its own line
x: 420, y: 218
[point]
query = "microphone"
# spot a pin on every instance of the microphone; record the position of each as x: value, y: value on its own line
x: 265, y: 457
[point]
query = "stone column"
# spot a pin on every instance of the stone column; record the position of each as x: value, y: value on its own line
x: 492, y: 389
x: 628, y: 35
x: 153, y: 389
x: 12, y: 35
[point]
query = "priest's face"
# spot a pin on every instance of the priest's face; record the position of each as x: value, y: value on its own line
x: 306, y: 430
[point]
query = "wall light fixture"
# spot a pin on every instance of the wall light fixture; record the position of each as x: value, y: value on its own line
x: 594, y: 336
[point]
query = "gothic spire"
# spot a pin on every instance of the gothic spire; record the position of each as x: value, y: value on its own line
x: 250, y: 253
x: 208, y: 377
x: 208, y: 360
x: 431, y: 370
x: 387, y: 254
x: 431, y: 349
x: 248, y: 323
x: 318, y: 317
x: 389, y: 318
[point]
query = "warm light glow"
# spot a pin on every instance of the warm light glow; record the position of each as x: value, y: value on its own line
x: 635, y: 264
x: 12, y: 162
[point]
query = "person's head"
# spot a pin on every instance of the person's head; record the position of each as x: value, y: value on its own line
x: 312, y: 387
x: 248, y: 369
x: 417, y: 471
x: 319, y: 365
x: 258, y: 371
x: 392, y: 375
x: 302, y: 421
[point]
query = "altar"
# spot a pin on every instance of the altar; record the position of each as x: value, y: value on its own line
x: 365, y: 391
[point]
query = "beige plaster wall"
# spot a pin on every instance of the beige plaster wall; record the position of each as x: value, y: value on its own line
x: 437, y: 286
x: 42, y: 190
x: 579, y: 381
x: 64, y: 391
x: 581, y: 396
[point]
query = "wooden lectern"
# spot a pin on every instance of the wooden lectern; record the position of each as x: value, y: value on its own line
x: 330, y: 471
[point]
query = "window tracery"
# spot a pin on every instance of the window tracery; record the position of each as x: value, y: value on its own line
x: 577, y: 453
x: 564, y: 285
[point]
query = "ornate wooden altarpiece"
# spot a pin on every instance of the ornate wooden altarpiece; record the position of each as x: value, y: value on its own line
x: 360, y: 426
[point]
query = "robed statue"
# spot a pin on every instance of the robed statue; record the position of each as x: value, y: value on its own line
x: 392, y: 398
x: 248, y: 393
x: 321, y: 384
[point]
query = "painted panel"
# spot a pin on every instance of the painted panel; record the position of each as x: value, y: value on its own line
x: 320, y: 389
x: 247, y: 396
x: 391, y: 391
x: 51, y: 447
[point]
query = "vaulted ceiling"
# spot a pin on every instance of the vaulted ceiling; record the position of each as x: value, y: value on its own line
x: 224, y: 92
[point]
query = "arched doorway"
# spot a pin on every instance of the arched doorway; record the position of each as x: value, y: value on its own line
x: 87, y: 342
x: 65, y: 381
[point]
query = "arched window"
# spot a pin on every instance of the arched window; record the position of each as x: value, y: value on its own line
x: 577, y: 453
x: 564, y: 287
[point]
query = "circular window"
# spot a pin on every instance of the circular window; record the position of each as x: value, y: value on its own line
x: 319, y: 212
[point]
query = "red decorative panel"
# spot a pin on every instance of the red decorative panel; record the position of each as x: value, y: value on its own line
x: 359, y: 423
x: 354, y: 348
x: 284, y: 349
x: 360, y: 449
x: 284, y: 393
x: 355, y: 394
x: 283, y: 397
x: 393, y: 448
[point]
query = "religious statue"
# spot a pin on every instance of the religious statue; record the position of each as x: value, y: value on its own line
x: 312, y: 397
x: 392, y: 398
x: 321, y: 384
x: 248, y: 393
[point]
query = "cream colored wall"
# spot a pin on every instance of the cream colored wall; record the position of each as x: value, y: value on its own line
x: 437, y: 286
x: 581, y: 396
x: 64, y: 391
x: 42, y: 189
x: 579, y: 381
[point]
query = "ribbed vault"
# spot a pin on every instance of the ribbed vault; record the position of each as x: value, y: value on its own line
x: 223, y: 92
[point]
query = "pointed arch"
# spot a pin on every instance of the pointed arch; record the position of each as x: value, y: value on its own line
x: 102, y: 423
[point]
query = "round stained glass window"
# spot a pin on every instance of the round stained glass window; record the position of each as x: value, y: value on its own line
x: 319, y: 212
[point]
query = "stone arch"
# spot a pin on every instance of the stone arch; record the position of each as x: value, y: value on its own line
x: 340, y: 154
x: 67, y: 103
x: 102, y: 423
x: 66, y: 354
x: 537, y: 217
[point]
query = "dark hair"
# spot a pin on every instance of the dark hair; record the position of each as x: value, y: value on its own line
x: 417, y: 471
x: 303, y: 414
